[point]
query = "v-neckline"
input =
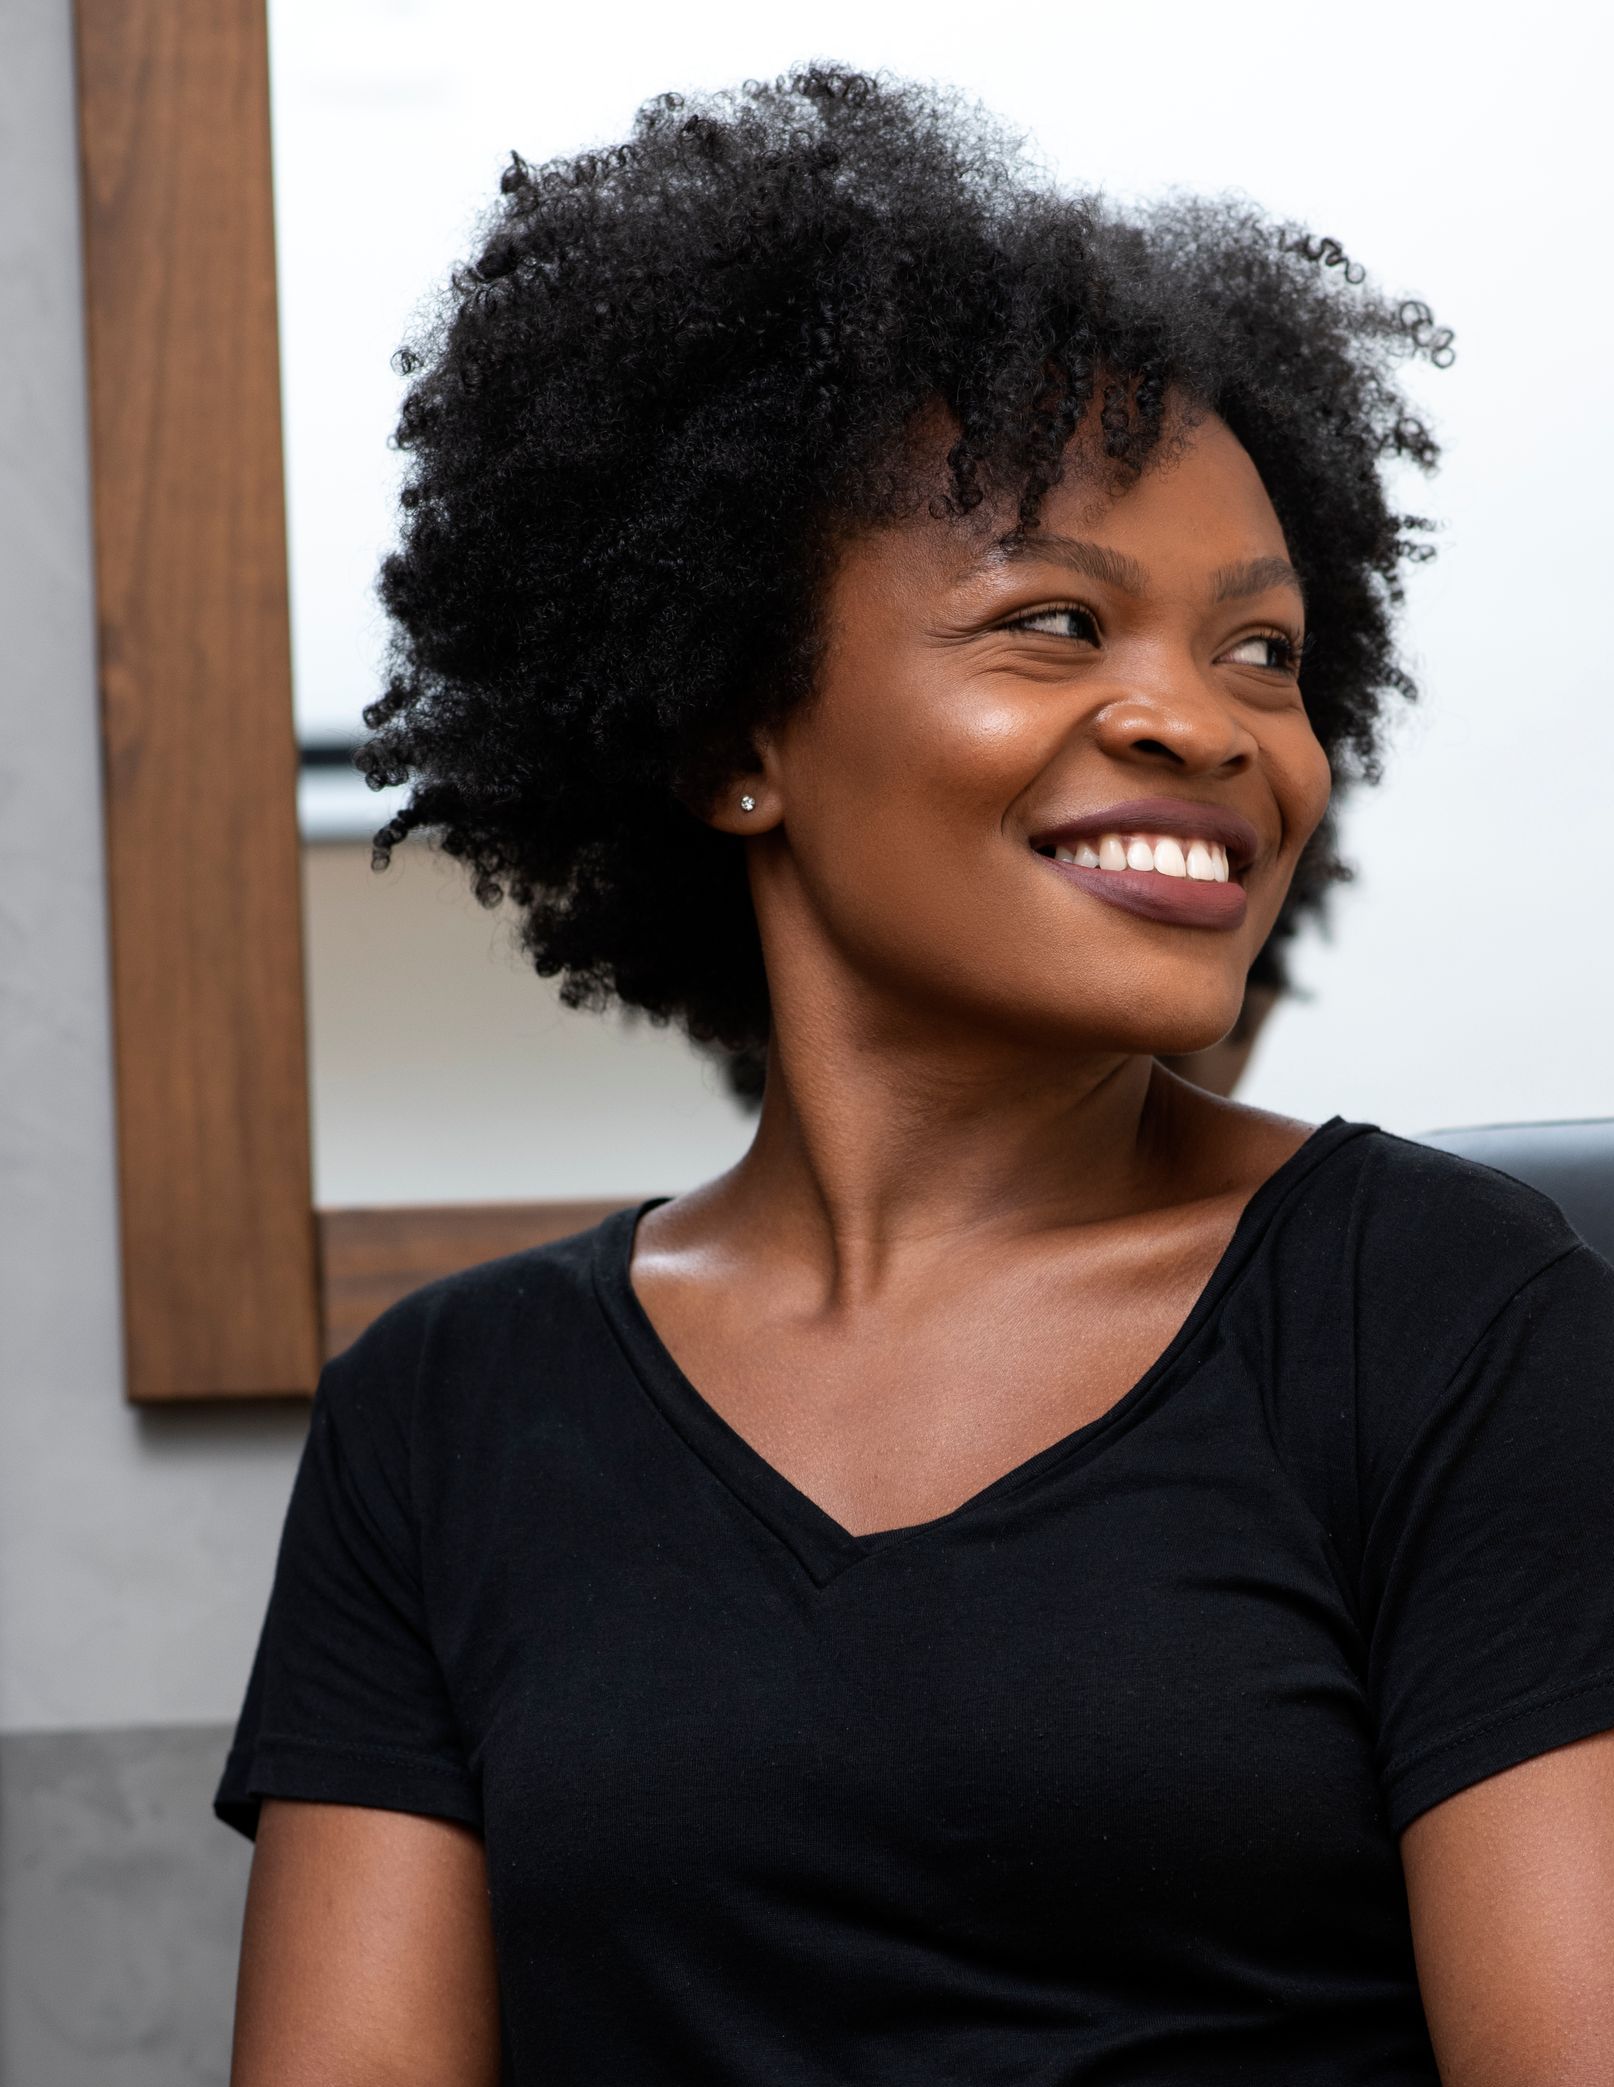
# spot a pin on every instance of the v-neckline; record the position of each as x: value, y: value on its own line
x: 824, y: 1546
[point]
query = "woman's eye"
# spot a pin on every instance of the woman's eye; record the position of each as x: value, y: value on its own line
x: 1068, y: 621
x: 1266, y: 648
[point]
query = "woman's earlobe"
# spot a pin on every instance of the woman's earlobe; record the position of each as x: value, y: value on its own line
x: 749, y: 806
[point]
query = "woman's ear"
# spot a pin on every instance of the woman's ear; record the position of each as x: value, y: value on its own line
x: 750, y: 801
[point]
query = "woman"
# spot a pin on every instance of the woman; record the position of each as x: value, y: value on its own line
x: 1039, y: 1573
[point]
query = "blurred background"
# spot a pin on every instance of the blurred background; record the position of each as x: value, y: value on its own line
x: 1458, y: 152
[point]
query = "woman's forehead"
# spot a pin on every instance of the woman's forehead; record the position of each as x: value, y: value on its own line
x: 1197, y: 510
x: 1201, y: 485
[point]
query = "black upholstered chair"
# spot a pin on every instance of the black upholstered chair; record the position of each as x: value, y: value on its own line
x: 1571, y: 1162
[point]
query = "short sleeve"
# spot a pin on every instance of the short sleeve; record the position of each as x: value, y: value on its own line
x: 1488, y: 1563
x: 347, y: 1703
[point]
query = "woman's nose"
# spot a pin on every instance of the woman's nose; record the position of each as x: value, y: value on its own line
x: 1184, y: 725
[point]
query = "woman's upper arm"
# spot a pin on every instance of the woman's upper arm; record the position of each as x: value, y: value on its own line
x: 367, y: 1953
x: 1510, y: 1885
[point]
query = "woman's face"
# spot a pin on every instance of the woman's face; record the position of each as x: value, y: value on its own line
x: 998, y: 730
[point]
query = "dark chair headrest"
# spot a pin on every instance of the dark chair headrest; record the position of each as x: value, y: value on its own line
x: 1571, y: 1162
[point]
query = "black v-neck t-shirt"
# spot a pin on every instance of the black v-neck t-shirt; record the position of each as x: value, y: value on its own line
x: 1095, y: 1779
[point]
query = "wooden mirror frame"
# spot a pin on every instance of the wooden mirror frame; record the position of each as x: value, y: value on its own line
x: 234, y: 1284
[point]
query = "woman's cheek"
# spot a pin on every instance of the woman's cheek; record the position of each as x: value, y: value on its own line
x: 1300, y: 778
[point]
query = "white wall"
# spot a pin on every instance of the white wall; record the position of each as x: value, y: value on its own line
x: 134, y: 1551
x: 1460, y: 150
x: 446, y: 1070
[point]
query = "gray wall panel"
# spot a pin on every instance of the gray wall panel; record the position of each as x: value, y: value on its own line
x: 120, y: 1909
x: 135, y: 1552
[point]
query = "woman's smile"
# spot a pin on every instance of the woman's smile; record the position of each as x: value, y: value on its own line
x: 1160, y: 857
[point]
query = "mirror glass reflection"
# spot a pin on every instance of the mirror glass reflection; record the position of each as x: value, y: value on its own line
x: 1462, y: 979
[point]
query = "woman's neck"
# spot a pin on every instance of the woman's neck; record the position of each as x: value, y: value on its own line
x: 873, y: 1154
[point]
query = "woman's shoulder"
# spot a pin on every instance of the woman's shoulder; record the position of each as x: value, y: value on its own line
x: 463, y: 1344
x: 1371, y: 1201
x: 1383, y: 1179
x: 1398, y: 1296
x: 1406, y: 1253
x: 1403, y: 1193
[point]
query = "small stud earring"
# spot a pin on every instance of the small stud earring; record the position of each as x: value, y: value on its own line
x: 748, y: 804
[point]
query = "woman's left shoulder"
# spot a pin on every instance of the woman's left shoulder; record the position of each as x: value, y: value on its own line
x: 1350, y: 1174
x: 1409, y: 1253
x: 1349, y: 1180
x: 1448, y: 1212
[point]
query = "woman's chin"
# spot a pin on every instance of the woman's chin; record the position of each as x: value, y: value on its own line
x: 1175, y: 1039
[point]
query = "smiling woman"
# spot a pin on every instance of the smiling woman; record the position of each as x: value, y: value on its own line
x: 1037, y: 1573
x: 648, y: 429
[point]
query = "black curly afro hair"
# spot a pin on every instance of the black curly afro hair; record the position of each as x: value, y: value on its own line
x: 680, y: 368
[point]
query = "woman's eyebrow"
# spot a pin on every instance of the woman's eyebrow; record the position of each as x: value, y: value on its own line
x: 1095, y: 561
x: 1254, y: 576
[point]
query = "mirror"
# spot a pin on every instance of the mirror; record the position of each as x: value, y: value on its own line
x: 1464, y: 979
x: 1454, y: 987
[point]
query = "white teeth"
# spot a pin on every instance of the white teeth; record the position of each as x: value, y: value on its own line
x: 1204, y: 861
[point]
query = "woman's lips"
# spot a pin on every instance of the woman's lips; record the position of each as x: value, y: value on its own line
x: 1183, y: 817
x: 1209, y: 848
x: 1176, y: 900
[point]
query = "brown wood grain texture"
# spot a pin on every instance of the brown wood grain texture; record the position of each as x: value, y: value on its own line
x: 218, y: 1233
x: 372, y: 1257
